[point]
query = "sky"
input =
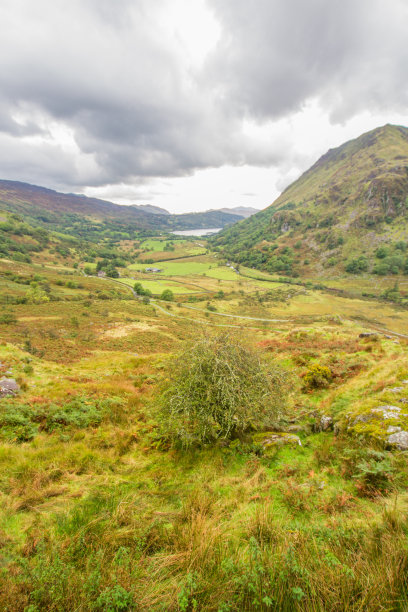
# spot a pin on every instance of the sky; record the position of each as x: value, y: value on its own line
x: 192, y: 104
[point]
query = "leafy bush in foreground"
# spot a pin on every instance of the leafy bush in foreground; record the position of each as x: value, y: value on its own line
x: 220, y: 388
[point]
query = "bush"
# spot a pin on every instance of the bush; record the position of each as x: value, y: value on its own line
x: 219, y: 389
x: 7, y: 318
x: 21, y: 422
x: 167, y: 295
x: 114, y: 599
x: 140, y: 290
x: 357, y: 265
x: 317, y: 377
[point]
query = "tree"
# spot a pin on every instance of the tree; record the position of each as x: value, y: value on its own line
x: 140, y: 290
x: 167, y: 295
x: 219, y: 389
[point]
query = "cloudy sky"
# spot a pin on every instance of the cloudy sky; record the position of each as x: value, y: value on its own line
x: 192, y: 104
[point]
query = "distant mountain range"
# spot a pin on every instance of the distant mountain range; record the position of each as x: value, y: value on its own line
x: 348, y: 212
x: 150, y: 208
x: 243, y: 211
x: 66, y: 212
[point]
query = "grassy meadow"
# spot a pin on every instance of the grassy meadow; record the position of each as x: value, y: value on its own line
x: 101, y: 512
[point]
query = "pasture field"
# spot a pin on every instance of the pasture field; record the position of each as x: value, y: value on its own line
x: 176, y: 268
x: 159, y: 285
x: 100, y: 512
x: 170, y: 247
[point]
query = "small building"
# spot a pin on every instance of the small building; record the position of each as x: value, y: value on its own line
x: 101, y: 273
x: 152, y: 270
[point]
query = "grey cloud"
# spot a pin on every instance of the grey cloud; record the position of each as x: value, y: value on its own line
x: 278, y: 54
x: 137, y: 109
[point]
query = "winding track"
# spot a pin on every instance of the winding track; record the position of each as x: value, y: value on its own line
x: 222, y: 314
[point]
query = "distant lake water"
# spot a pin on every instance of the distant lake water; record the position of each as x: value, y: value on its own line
x: 198, y: 232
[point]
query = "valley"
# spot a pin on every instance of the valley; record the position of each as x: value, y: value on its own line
x: 107, y: 504
x: 95, y: 501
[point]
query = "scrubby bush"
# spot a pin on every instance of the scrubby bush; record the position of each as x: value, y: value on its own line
x: 167, y: 295
x: 357, y: 265
x: 317, y: 377
x: 219, y: 389
x: 140, y: 290
x: 7, y: 318
x: 22, y: 422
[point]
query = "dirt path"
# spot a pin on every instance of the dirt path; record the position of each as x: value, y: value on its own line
x: 222, y: 314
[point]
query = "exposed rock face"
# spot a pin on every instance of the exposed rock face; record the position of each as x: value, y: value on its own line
x: 8, y: 386
x: 399, y: 439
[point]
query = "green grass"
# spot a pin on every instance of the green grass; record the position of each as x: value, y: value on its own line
x: 98, y: 512
x: 175, y: 268
x: 158, y: 286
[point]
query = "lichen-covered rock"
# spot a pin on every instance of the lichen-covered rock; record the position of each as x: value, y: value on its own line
x: 295, y: 428
x: 326, y: 422
x: 393, y: 429
x: 8, y: 386
x: 396, y: 389
x: 272, y: 439
x: 387, y: 412
x: 382, y: 412
x: 399, y: 439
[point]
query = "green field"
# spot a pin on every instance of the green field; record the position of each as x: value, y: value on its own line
x: 175, y: 268
x: 158, y: 286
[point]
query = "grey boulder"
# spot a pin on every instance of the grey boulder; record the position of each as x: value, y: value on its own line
x: 399, y: 439
x: 8, y: 386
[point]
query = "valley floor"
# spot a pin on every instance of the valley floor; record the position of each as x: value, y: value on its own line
x: 99, y: 512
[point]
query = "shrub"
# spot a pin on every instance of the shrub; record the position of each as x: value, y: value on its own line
x: 7, y: 318
x: 357, y: 265
x: 140, y: 290
x: 167, y: 295
x: 317, y: 377
x: 219, y: 389
x: 114, y: 599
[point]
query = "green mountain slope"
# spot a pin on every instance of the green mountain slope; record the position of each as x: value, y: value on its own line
x: 348, y: 212
x: 87, y: 217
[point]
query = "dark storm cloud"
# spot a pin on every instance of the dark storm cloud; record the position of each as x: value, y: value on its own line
x: 136, y: 107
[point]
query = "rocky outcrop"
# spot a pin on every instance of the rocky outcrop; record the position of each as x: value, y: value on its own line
x: 272, y: 439
x: 382, y: 413
x: 8, y: 386
x: 399, y: 439
x: 326, y: 423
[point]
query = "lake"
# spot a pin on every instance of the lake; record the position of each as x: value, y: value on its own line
x: 198, y: 232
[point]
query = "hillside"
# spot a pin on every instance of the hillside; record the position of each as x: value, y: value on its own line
x: 149, y: 208
x: 244, y: 211
x: 348, y: 212
x: 87, y: 217
x: 102, y: 509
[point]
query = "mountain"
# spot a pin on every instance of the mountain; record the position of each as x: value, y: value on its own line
x: 154, y: 210
x: 348, y: 212
x: 86, y: 217
x: 243, y: 211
